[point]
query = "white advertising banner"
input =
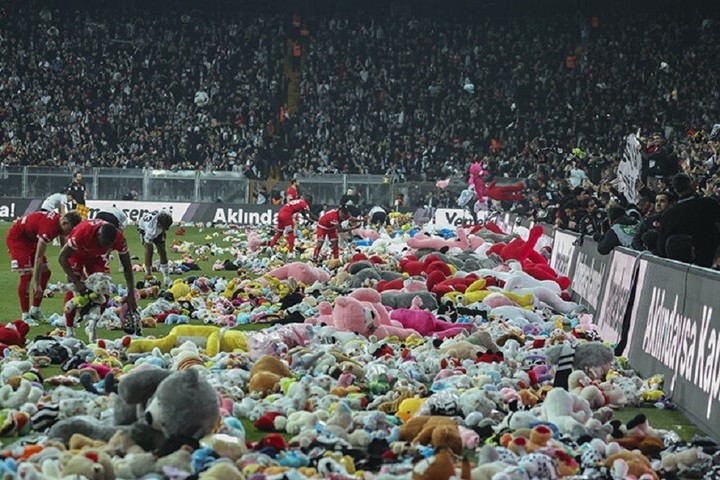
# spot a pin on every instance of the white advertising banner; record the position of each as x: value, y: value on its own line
x: 135, y: 210
x: 618, y: 284
x: 455, y: 217
x: 562, y: 260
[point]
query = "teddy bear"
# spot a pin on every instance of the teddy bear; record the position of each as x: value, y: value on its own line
x: 302, y: 272
x: 437, y: 467
x: 351, y: 315
x: 684, y: 459
x: 91, y: 306
x: 580, y: 384
x: 159, y: 409
x: 266, y: 374
x: 594, y: 358
x: 627, y: 462
x: 91, y: 464
x: 566, y: 410
x: 425, y: 323
x: 438, y: 431
x: 404, y: 299
x: 13, y: 333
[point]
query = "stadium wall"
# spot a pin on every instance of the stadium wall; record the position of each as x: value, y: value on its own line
x: 660, y: 315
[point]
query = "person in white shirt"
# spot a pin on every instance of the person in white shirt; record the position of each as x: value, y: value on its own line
x: 152, y: 227
x: 57, y: 202
x: 115, y: 216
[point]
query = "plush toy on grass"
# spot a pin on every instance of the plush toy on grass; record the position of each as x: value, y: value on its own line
x: 91, y: 305
x: 13, y: 333
x: 159, y: 409
x: 425, y: 323
x: 594, y: 358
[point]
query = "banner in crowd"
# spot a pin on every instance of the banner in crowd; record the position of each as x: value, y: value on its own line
x: 676, y: 333
x: 629, y: 170
x: 12, y: 208
x: 617, y: 285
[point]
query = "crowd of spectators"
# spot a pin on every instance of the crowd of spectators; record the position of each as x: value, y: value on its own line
x: 547, y: 99
x: 115, y: 88
x: 409, y: 98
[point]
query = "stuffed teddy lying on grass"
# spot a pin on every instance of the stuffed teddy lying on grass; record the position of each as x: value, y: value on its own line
x: 159, y: 409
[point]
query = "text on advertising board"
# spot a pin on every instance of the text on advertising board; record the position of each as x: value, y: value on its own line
x: 690, y: 349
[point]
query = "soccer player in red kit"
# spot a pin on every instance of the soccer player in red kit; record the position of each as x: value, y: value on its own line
x: 285, y: 222
x: 292, y: 192
x: 86, y: 252
x: 329, y: 225
x: 27, y: 242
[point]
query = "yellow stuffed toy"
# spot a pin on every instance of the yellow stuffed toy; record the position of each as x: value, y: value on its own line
x: 213, y: 339
x: 179, y: 289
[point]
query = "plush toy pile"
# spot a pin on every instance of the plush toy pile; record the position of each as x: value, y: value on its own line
x: 424, y: 355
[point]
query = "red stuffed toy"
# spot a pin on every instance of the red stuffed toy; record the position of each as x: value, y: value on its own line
x: 533, y: 263
x: 13, y: 334
x: 506, y: 192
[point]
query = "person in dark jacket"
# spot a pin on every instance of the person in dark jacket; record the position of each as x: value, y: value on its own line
x: 621, y: 232
x: 663, y: 201
x: 591, y: 222
x: 659, y: 158
x: 691, y: 215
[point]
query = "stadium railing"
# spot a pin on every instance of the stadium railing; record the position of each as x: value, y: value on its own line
x: 205, y: 186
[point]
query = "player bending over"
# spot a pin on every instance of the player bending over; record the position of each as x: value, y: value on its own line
x: 85, y: 253
x: 27, y: 241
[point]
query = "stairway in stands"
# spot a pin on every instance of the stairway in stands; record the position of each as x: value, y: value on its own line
x: 293, y: 77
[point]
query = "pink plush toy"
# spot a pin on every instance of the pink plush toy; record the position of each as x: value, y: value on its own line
x: 254, y: 241
x: 425, y: 323
x: 350, y: 315
x: 366, y: 233
x: 302, y: 272
x: 462, y: 241
x: 278, y: 340
x: 325, y: 310
x: 423, y: 240
x: 477, y: 182
x: 372, y: 299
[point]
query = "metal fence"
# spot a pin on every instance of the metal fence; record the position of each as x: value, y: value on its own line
x: 192, y: 186
x: 201, y: 186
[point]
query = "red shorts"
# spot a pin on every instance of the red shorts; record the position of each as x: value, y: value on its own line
x: 329, y: 233
x: 284, y: 222
x: 22, y: 256
x: 85, y: 266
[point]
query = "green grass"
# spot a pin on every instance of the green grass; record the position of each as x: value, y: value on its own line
x: 9, y: 310
x: 10, y: 307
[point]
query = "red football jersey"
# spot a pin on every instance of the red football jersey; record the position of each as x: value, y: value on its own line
x: 43, y: 226
x: 294, y: 206
x: 330, y: 220
x: 292, y: 193
x: 83, y: 240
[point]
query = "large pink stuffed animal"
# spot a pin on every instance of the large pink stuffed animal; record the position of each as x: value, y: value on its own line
x: 425, y: 323
x: 351, y: 315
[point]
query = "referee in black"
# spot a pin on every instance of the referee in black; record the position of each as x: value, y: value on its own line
x: 78, y: 191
